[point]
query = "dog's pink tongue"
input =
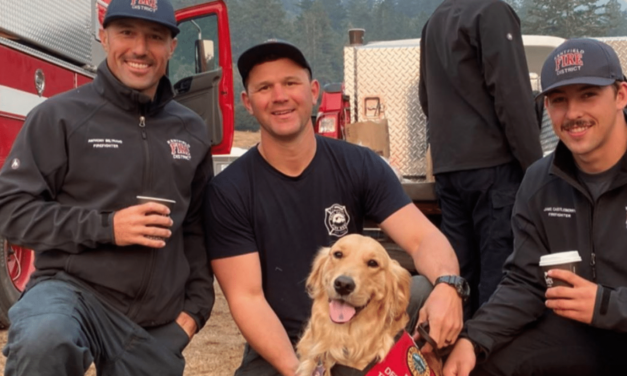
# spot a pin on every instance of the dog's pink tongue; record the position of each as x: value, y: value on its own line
x: 340, y: 312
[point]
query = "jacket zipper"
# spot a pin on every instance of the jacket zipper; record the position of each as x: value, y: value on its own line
x: 141, y: 295
x: 142, y: 127
x: 593, y: 256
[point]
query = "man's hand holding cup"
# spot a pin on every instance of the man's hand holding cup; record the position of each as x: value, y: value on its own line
x: 147, y: 223
x: 568, y: 294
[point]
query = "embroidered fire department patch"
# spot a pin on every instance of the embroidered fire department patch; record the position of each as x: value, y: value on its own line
x: 336, y: 220
x: 180, y: 149
x: 149, y: 5
x: 569, y: 61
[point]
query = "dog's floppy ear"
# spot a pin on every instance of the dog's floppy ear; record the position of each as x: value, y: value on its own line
x: 399, y: 288
x: 314, y: 281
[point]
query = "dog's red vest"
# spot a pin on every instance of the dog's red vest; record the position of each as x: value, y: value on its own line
x: 404, y: 359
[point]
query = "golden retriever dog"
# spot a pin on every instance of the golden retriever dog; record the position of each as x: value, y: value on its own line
x: 360, y: 296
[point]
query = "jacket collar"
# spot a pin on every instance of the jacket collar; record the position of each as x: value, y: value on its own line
x: 107, y: 85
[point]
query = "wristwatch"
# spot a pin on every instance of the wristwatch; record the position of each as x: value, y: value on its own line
x: 459, y: 283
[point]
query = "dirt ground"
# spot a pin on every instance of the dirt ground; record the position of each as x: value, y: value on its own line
x: 217, y: 349
x: 245, y: 140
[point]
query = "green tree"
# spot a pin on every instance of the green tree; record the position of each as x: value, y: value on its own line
x: 413, y: 8
x: 360, y: 15
x: 390, y: 24
x: 252, y: 22
x: 321, y: 45
x: 567, y: 18
x: 305, y: 5
x: 617, y: 19
x: 336, y: 13
x: 522, y: 8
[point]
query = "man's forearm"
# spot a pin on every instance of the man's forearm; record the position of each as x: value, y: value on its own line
x: 435, y: 257
x: 264, y: 332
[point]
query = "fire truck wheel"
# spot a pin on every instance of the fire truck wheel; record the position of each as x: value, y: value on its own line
x: 16, y: 265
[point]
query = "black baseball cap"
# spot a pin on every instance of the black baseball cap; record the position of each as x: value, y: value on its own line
x: 158, y: 11
x: 581, y: 61
x: 270, y: 50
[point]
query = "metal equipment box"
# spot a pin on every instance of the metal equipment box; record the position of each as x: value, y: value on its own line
x: 37, y: 22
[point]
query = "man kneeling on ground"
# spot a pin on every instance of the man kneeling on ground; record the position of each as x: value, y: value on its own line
x: 573, y: 199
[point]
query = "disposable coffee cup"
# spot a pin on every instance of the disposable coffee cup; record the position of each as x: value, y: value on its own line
x: 562, y: 260
x: 159, y: 200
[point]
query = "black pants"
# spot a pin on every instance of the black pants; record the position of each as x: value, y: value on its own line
x: 255, y: 365
x: 59, y: 328
x: 476, y: 218
x: 555, y: 346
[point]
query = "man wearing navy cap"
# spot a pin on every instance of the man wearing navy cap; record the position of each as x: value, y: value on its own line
x: 573, y: 199
x: 271, y: 210
x: 117, y: 283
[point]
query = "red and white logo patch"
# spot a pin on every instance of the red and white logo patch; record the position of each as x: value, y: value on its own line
x: 569, y: 61
x: 149, y: 5
x: 180, y: 149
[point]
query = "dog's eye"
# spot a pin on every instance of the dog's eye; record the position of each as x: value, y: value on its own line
x: 372, y: 264
x: 338, y: 254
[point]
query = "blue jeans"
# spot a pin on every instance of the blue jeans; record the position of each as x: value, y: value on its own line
x: 60, y: 328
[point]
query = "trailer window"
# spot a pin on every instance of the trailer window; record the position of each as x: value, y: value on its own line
x: 184, y: 63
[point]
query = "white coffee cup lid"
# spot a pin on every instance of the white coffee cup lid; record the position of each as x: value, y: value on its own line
x: 560, y: 258
x: 156, y: 199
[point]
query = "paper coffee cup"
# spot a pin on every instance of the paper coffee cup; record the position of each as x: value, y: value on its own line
x: 562, y: 260
x: 159, y: 200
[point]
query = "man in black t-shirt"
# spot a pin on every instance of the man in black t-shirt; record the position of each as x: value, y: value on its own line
x: 271, y: 210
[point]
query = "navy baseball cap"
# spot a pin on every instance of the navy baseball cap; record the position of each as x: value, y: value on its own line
x: 158, y: 11
x: 581, y: 61
x: 270, y: 50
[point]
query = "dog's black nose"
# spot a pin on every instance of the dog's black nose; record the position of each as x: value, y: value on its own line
x: 344, y: 285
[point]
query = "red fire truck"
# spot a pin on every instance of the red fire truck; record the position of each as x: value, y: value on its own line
x: 51, y: 46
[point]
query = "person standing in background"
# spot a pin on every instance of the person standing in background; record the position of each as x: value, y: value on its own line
x: 482, y: 128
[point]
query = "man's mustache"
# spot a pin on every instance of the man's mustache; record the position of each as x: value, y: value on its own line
x: 570, y: 124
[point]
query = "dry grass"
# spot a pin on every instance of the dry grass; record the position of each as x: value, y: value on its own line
x: 245, y: 139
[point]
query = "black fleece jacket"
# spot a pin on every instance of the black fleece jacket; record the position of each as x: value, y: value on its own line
x: 88, y: 152
x: 474, y: 87
x: 554, y: 213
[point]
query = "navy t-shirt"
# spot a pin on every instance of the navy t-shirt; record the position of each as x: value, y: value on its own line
x: 252, y: 207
